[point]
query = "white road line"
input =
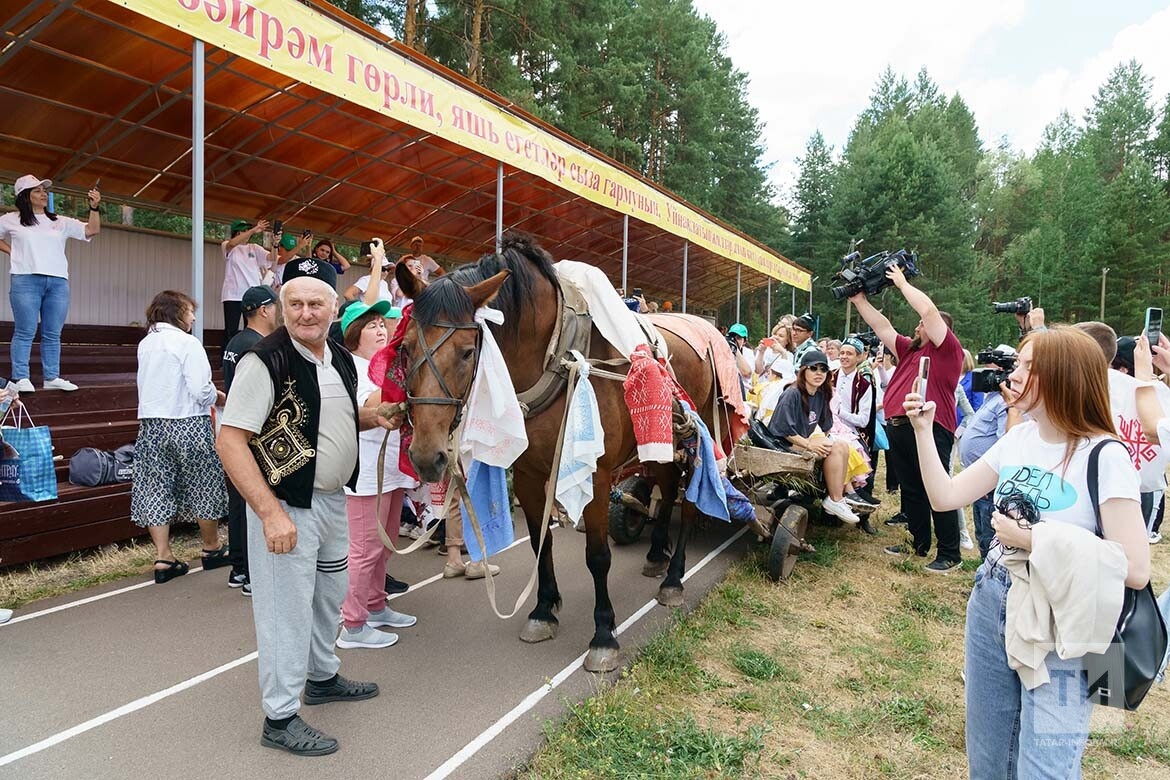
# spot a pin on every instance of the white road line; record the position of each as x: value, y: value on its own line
x: 531, y: 700
x: 87, y: 600
x: 125, y: 709
x: 146, y: 701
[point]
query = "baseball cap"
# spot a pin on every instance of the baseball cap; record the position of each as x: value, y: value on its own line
x: 255, y: 297
x: 311, y: 268
x: 288, y: 241
x: 416, y: 238
x: 240, y: 225
x: 738, y: 329
x: 357, y: 309
x: 813, y: 357
x: 805, y: 322
x: 30, y: 182
x: 1124, y: 357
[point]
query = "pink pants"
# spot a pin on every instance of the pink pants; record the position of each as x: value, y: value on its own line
x: 367, y: 555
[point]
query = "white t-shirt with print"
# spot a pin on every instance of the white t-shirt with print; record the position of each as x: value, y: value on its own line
x: 245, y: 268
x: 1149, y: 459
x: 1027, y: 463
x: 370, y: 444
x: 40, y: 248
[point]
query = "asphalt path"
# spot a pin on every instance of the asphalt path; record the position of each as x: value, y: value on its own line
x: 157, y: 680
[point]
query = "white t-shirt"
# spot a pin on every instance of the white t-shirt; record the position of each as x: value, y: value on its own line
x: 370, y: 444
x: 40, y: 249
x: 245, y: 268
x: 1027, y: 463
x: 363, y: 284
x: 1149, y: 459
x: 252, y: 398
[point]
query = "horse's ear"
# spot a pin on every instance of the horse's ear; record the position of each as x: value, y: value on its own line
x: 410, y: 284
x: 485, y: 291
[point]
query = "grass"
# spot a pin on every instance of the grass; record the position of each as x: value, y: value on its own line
x: 45, y: 579
x: 849, y: 669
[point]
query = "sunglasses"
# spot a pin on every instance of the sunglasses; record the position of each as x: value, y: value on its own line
x: 819, y: 368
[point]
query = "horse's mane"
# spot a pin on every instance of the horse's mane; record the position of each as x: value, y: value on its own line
x: 445, y: 297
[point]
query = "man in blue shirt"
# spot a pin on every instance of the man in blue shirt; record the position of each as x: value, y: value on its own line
x: 983, y: 429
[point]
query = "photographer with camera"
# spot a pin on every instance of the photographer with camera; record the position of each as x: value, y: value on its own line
x: 1027, y: 707
x: 935, y: 345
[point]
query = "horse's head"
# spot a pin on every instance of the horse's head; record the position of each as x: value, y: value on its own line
x: 442, y: 345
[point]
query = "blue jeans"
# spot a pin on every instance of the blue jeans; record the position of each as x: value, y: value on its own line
x: 38, y: 297
x: 982, y: 509
x: 1013, y: 732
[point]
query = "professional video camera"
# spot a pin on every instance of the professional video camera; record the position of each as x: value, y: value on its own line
x: 868, y: 338
x: 1018, y: 306
x: 869, y: 275
x: 988, y: 380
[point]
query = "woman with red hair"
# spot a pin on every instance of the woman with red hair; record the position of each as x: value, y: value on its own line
x: 1020, y: 724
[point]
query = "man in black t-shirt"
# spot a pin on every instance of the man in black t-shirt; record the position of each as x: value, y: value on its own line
x: 260, y: 319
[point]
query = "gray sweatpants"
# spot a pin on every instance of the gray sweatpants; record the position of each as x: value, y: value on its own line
x: 296, y: 601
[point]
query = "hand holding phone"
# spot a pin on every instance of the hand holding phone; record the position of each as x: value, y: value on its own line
x: 307, y: 234
x: 923, y: 377
x: 1153, y: 328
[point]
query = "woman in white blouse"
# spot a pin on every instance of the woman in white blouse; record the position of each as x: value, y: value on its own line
x: 177, y: 474
x: 34, y: 237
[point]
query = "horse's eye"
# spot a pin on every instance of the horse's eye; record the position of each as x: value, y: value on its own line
x: 468, y: 355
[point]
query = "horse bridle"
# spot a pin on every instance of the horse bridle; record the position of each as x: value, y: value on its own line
x: 428, y: 357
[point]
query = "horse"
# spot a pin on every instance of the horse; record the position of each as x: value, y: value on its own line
x: 441, y: 344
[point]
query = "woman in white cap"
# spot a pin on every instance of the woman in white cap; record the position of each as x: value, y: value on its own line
x: 34, y: 237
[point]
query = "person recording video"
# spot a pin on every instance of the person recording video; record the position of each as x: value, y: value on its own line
x: 935, y: 344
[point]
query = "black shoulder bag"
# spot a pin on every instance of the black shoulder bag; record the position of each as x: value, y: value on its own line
x: 1123, y: 675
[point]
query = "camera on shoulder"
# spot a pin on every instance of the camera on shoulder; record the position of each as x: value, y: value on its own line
x: 868, y: 275
x: 989, y: 380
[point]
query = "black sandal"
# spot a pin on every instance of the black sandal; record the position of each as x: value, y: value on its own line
x: 174, y: 569
x: 214, y: 559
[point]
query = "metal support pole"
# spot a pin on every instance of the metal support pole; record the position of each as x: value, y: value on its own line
x: 738, y: 279
x: 686, y: 254
x: 197, y: 96
x: 1104, y: 273
x: 625, y: 250
x: 768, y: 314
x: 794, y: 301
x: 499, y: 207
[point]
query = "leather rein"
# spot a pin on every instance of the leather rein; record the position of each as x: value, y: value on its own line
x: 428, y: 358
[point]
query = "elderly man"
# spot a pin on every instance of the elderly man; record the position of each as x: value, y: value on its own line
x: 289, y: 442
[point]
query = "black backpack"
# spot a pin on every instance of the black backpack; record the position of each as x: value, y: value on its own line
x: 90, y: 467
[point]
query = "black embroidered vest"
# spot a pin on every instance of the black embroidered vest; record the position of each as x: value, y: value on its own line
x: 286, y: 447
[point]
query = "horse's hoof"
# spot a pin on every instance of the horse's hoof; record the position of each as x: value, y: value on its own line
x: 670, y: 597
x: 601, y: 659
x: 538, y: 631
x: 655, y: 568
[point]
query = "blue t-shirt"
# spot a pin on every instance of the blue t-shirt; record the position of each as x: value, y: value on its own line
x: 984, y: 429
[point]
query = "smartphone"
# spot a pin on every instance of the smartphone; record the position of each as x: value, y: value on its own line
x: 97, y: 185
x: 1154, y: 326
x: 277, y: 227
x: 637, y: 292
x: 307, y: 234
x: 364, y: 249
x: 923, y: 376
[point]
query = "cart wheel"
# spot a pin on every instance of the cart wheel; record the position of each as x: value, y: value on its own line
x: 625, y: 524
x: 789, y: 530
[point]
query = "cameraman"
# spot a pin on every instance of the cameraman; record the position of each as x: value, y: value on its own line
x: 933, y: 339
x: 995, y: 417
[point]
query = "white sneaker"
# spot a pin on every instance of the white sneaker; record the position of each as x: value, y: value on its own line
x: 840, y: 509
x: 965, y: 539
x: 414, y: 532
x: 366, y: 636
x: 1155, y: 537
x: 25, y: 386
x: 59, y: 384
x: 391, y: 619
x: 5, y: 615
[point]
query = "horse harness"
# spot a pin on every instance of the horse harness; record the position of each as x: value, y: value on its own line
x: 428, y: 357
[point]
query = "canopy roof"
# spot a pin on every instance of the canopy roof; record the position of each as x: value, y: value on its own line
x: 92, y: 89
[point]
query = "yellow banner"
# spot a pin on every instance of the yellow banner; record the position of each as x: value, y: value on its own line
x: 300, y: 43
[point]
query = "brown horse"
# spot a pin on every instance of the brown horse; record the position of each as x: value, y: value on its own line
x: 441, y: 345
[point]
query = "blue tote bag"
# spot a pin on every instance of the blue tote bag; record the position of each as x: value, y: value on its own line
x: 33, y: 460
